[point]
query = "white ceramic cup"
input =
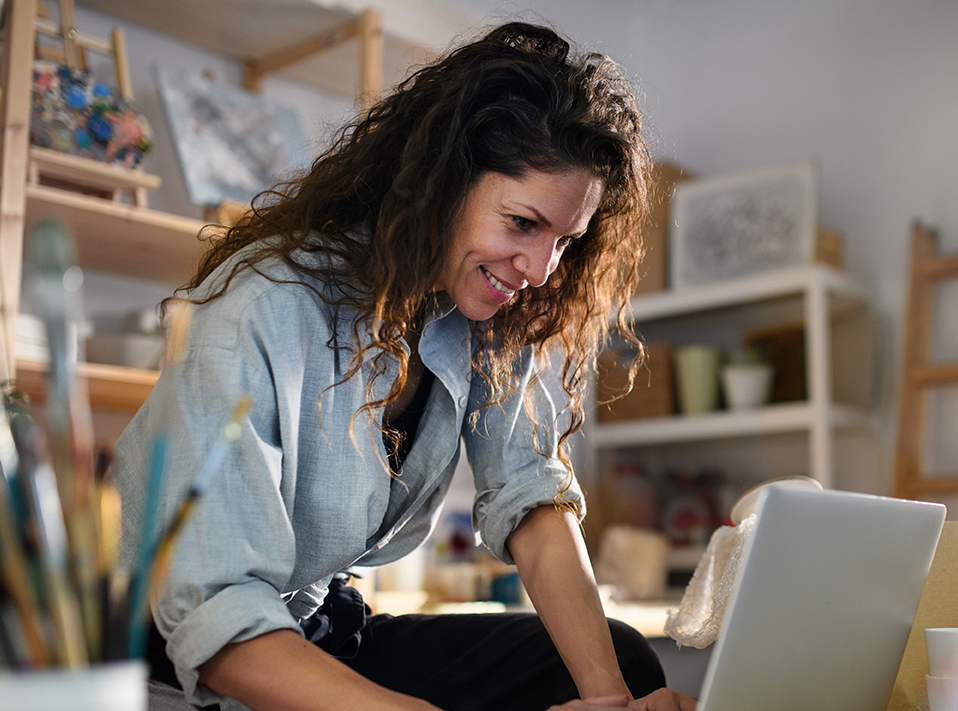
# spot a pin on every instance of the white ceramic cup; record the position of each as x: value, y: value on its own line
x: 942, y: 646
x: 120, y: 686
x: 747, y: 385
x: 942, y: 693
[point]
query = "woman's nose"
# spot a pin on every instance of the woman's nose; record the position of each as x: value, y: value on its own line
x: 537, y: 263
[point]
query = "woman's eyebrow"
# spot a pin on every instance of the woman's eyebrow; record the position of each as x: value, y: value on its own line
x: 539, y: 216
x: 544, y: 221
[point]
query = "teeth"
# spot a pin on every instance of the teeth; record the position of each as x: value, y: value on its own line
x: 496, y: 283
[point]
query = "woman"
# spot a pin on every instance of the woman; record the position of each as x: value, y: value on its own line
x: 379, y: 311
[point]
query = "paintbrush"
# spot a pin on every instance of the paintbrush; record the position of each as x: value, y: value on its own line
x: 56, y: 281
x: 14, y: 568
x: 45, y: 514
x: 112, y: 592
x: 14, y: 649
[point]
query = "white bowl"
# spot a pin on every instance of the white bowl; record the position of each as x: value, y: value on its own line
x: 747, y: 385
x: 133, y: 350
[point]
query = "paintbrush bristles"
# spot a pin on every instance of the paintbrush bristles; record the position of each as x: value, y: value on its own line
x: 110, y: 525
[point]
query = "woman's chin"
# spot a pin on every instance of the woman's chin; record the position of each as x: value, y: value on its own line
x: 478, y: 312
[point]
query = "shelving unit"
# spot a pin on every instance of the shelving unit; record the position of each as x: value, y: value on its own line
x: 818, y: 297
x: 825, y: 294
x: 131, y: 239
x: 120, y: 237
x: 127, y: 238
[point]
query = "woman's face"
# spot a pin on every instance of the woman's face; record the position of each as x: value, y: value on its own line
x: 511, y: 233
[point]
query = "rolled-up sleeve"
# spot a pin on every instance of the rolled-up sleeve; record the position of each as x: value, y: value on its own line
x: 512, y: 449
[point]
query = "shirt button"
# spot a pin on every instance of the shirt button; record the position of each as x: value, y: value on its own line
x: 463, y: 400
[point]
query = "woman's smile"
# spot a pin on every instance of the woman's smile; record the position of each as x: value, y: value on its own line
x: 500, y: 290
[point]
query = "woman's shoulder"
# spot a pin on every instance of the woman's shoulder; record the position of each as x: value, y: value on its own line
x: 282, y: 299
x: 251, y: 270
x: 236, y: 291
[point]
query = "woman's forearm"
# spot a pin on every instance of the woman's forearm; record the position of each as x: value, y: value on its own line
x: 554, y: 566
x: 282, y: 671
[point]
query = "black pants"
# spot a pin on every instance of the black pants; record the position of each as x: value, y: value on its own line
x: 495, y: 662
x: 485, y: 662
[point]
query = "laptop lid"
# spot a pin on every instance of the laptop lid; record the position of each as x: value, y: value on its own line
x: 823, y: 603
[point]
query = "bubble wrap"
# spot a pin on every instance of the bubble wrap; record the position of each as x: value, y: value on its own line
x: 696, y: 621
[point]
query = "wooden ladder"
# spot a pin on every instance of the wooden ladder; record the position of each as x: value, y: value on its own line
x: 919, y: 373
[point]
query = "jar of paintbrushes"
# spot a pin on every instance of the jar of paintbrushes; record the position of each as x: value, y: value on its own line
x: 73, y: 625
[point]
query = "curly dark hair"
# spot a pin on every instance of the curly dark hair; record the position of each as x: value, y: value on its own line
x: 382, y: 200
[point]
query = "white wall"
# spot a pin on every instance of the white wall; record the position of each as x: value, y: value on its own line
x: 865, y: 86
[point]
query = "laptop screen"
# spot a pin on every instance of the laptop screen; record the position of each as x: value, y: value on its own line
x: 823, y: 603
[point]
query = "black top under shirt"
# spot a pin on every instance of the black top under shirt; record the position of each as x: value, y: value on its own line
x: 407, y: 423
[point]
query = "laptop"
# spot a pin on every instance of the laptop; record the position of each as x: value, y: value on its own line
x: 823, y: 603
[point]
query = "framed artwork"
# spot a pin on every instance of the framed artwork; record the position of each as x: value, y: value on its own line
x: 231, y: 144
x: 741, y: 224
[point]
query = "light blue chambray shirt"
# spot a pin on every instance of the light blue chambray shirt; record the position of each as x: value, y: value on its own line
x: 297, y: 500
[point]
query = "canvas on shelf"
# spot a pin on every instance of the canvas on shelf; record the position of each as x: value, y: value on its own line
x: 735, y: 225
x: 231, y: 144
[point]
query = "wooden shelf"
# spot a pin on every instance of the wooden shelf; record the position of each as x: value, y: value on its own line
x: 110, y: 387
x: 253, y: 30
x: 121, y: 239
x: 85, y: 171
x: 786, y: 417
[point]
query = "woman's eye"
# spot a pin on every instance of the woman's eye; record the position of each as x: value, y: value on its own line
x: 523, y: 223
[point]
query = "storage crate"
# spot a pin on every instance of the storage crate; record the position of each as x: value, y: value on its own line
x: 652, y: 394
x: 655, y: 233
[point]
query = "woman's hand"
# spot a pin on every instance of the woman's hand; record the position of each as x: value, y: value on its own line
x: 594, y: 704
x: 663, y: 700
x: 660, y: 700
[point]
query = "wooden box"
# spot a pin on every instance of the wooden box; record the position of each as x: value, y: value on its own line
x: 652, y: 394
x: 784, y: 347
x: 829, y: 248
x: 655, y: 233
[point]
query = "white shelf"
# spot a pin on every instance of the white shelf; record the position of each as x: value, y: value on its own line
x: 823, y: 299
x: 787, y: 417
x: 760, y: 287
